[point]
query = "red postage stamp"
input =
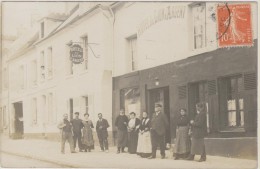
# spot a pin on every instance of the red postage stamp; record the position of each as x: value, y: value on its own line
x: 234, y: 25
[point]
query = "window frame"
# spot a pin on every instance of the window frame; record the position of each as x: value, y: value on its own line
x: 193, y: 39
x: 224, y: 127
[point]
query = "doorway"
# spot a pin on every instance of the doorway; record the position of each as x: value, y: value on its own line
x: 160, y: 96
x: 198, y: 92
x: 18, y: 120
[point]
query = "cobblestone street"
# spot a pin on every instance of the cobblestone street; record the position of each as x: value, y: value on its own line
x: 49, y: 151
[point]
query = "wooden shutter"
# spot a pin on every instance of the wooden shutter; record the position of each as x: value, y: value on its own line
x: 182, y: 91
x: 250, y: 81
x: 212, y: 87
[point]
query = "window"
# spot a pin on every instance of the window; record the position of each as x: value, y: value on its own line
x: 69, y: 62
x: 43, y: 109
x: 85, y: 51
x: 5, y: 123
x: 130, y: 101
x: 5, y: 78
x: 132, y: 42
x: 50, y: 66
x: 231, y: 101
x: 42, y: 65
x: 51, y: 114
x: 86, y: 104
x: 42, y: 29
x: 199, y: 25
x: 34, y: 72
x: 198, y: 93
x: 34, y: 111
x: 21, y: 77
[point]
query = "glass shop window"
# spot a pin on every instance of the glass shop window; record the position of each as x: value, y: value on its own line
x: 130, y: 101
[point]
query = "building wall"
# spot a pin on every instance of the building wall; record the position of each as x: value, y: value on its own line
x: 94, y: 82
x: 169, y: 39
x: 213, y: 66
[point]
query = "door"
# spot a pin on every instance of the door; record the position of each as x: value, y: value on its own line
x: 18, y: 120
x: 71, y: 109
x: 160, y: 96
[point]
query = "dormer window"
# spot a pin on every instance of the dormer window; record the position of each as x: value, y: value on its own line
x: 42, y: 29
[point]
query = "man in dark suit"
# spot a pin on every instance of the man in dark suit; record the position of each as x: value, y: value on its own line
x: 159, y: 124
x: 77, y: 126
x: 102, y: 133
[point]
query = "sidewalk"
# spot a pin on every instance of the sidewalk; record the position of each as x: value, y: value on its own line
x: 49, y: 151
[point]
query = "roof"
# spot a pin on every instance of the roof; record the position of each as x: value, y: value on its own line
x: 23, y: 43
x: 31, y: 38
x: 75, y: 15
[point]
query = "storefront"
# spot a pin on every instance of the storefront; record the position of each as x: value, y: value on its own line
x: 225, y: 79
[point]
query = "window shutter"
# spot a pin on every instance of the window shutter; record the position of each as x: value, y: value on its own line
x: 212, y: 88
x: 182, y: 90
x: 250, y: 81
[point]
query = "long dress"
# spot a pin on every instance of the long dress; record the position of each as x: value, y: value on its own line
x: 120, y: 123
x: 199, y: 131
x: 144, y: 147
x: 182, y: 145
x: 87, y: 139
x: 133, y: 126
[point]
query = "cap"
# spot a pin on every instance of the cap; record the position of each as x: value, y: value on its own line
x: 158, y: 105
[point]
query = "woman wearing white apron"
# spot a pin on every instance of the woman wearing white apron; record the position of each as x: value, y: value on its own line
x: 144, y: 147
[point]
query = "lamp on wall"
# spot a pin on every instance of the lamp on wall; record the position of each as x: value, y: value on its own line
x: 156, y: 81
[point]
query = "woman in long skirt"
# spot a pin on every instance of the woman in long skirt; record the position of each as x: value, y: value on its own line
x: 182, y: 145
x: 87, y: 138
x: 144, y: 147
x: 133, y: 126
x: 199, y: 131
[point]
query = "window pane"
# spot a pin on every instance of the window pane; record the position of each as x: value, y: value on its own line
x: 241, y: 104
x: 198, y: 13
x: 232, y: 118
x: 231, y: 104
x: 130, y: 100
x: 242, y: 120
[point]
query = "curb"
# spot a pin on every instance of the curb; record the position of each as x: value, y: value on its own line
x: 62, y: 164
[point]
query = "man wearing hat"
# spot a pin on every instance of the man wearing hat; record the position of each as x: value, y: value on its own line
x: 77, y: 126
x: 159, y: 124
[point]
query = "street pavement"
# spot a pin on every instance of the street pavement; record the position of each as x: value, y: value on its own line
x: 49, y: 151
x: 12, y: 161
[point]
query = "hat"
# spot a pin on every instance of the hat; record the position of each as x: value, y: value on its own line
x: 76, y: 113
x: 158, y: 105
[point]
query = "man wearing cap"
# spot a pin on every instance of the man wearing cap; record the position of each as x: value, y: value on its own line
x: 159, y: 124
x: 66, y: 134
x: 77, y: 126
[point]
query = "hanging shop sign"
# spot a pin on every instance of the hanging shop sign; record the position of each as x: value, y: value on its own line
x: 76, y: 54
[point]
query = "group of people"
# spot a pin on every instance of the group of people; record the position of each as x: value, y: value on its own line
x: 80, y: 131
x: 142, y: 137
x: 190, y: 134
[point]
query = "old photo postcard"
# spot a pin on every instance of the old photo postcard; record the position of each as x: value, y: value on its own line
x: 129, y: 84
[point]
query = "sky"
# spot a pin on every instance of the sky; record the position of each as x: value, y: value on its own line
x: 18, y: 14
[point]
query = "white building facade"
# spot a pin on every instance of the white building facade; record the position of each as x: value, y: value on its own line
x: 45, y: 84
